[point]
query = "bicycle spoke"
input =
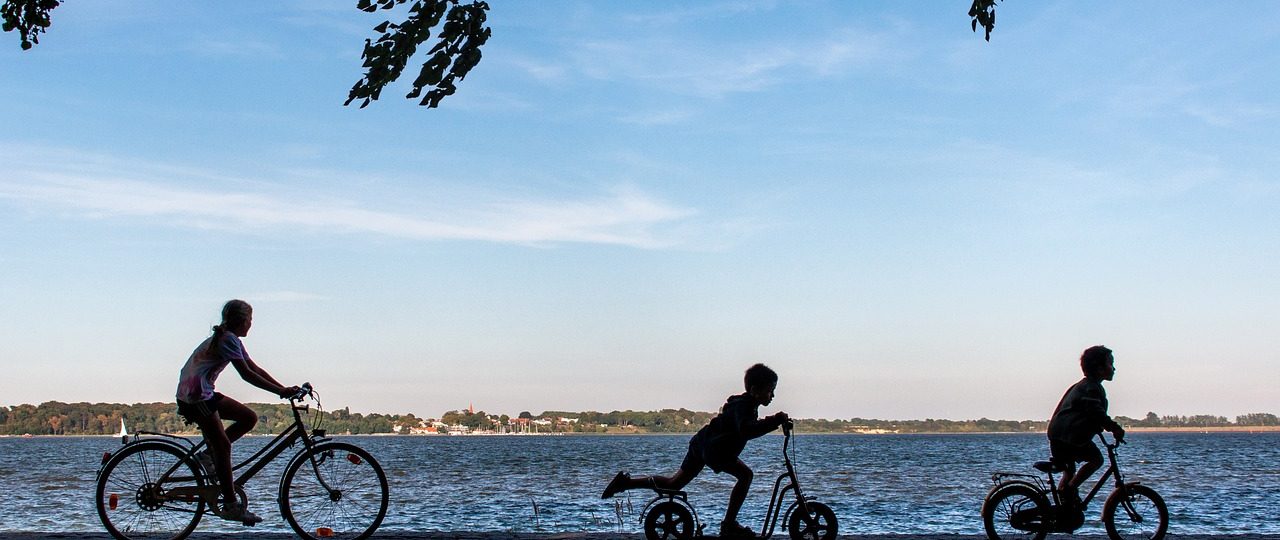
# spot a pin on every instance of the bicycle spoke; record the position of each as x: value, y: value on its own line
x: 359, y: 485
x: 132, y: 500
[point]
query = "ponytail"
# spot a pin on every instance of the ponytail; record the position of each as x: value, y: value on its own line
x: 213, y: 349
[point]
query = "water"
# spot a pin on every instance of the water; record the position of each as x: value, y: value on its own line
x: 877, y: 484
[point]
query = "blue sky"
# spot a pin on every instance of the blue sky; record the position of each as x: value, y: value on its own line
x: 626, y: 204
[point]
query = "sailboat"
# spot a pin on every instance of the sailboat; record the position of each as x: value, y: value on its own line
x: 124, y: 433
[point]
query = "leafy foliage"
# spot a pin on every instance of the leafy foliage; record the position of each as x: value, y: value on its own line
x: 983, y: 12
x: 462, y: 31
x: 28, y: 17
x: 456, y: 51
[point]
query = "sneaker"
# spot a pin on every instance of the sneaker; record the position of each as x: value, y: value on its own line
x: 618, y: 484
x: 235, y: 512
x: 733, y: 529
x: 206, y: 461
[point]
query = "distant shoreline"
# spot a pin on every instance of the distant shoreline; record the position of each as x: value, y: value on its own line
x: 1215, y: 429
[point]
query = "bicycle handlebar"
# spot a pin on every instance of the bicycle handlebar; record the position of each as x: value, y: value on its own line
x: 303, y: 391
x: 1118, y: 441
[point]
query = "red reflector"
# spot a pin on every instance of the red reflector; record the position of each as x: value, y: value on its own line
x: 353, y: 458
x: 113, y: 501
x: 106, y: 456
x: 324, y: 532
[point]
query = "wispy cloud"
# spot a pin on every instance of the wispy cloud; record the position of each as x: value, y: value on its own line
x: 619, y: 216
x: 716, y: 70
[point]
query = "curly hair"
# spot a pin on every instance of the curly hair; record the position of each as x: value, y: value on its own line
x: 759, y: 375
x: 1094, y: 358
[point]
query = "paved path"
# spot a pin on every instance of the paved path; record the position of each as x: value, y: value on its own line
x: 398, y: 535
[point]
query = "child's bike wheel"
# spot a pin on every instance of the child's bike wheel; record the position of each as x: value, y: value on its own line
x: 1016, y: 512
x: 820, y: 524
x: 668, y: 520
x: 134, y: 495
x: 1136, y: 512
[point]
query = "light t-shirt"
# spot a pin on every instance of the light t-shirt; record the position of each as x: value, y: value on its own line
x: 195, y: 382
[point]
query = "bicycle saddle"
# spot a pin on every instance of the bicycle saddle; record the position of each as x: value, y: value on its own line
x: 1048, y: 467
x: 670, y: 492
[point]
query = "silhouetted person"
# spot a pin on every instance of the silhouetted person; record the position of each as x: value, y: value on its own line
x: 718, y: 445
x: 1081, y: 415
x: 199, y: 404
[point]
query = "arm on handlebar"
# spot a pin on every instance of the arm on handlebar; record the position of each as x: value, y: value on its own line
x: 300, y: 392
x: 1118, y: 438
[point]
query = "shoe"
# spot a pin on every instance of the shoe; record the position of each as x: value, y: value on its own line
x: 733, y: 529
x: 618, y: 484
x: 206, y: 461
x: 235, y: 512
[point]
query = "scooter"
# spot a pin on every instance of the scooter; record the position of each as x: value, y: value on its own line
x: 670, y: 516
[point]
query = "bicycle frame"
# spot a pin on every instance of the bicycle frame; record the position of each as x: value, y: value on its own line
x: 260, y: 459
x: 1113, y: 469
x: 774, y: 512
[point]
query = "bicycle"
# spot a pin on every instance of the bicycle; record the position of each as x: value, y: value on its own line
x: 1026, y: 506
x: 154, y: 487
x: 670, y: 516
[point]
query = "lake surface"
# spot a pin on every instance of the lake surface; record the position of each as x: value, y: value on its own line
x: 1220, y: 483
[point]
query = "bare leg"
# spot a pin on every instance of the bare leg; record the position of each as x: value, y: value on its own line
x: 676, y: 481
x: 744, y: 475
x: 1086, y: 470
x: 219, y: 439
x: 242, y: 418
x: 220, y: 448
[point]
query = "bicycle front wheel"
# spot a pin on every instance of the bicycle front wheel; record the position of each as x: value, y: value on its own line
x: 151, y: 491
x: 336, y: 490
x: 1135, y: 512
x: 1016, y: 512
x: 820, y: 524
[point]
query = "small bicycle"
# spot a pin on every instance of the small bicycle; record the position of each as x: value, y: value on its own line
x: 154, y: 487
x: 1026, y: 506
x: 670, y: 516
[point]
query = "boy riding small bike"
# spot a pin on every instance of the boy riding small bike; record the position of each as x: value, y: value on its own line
x: 718, y: 445
x: 1079, y: 416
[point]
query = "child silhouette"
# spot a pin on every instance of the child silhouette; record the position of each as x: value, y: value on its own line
x: 718, y: 445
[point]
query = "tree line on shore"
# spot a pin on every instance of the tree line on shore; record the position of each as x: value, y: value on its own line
x: 57, y: 418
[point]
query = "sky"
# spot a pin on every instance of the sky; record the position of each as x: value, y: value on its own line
x: 626, y: 204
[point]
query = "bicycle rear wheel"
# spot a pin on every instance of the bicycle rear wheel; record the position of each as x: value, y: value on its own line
x: 669, y: 520
x: 136, y: 497
x: 337, y: 490
x: 1135, y: 512
x: 1015, y: 512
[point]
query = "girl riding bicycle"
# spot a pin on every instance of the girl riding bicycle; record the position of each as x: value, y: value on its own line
x: 199, y: 404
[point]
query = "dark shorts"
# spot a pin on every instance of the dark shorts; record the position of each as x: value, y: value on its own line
x: 193, y: 413
x: 698, y: 457
x: 1068, y: 454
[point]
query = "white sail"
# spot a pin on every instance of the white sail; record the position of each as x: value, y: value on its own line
x: 123, y: 432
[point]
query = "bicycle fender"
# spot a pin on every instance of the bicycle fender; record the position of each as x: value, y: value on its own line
x: 320, y: 444
x: 1008, y: 483
x: 1119, y: 492
x: 139, y: 442
x: 682, y: 501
